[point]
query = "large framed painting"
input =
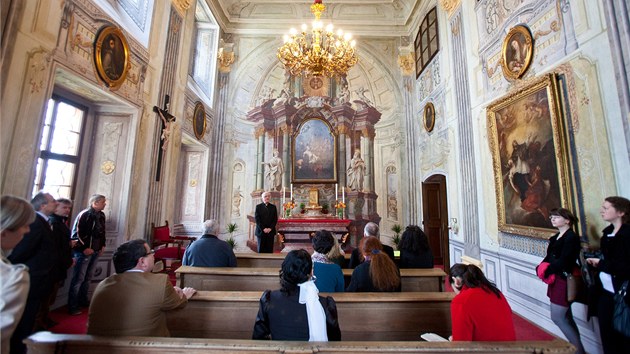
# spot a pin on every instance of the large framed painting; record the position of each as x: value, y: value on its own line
x: 530, y: 158
x: 111, y: 56
x: 314, y: 153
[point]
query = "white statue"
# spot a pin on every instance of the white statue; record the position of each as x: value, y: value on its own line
x: 356, y: 172
x: 362, y: 97
x: 274, y: 171
x: 237, y: 197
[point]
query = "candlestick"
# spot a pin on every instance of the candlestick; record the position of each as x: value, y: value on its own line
x: 291, y: 191
x: 336, y: 192
x: 283, y: 195
x: 343, y: 195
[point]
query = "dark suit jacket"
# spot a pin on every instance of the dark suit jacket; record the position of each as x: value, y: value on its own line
x: 61, y: 234
x: 133, y: 304
x: 266, y: 216
x: 355, y: 257
x: 36, y: 250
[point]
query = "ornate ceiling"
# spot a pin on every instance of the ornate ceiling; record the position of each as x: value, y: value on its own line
x: 275, y: 17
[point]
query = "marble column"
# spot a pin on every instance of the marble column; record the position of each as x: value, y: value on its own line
x: 285, y: 158
x: 215, y: 199
x: 260, y: 154
x: 467, y: 160
x: 156, y: 187
x: 410, y: 200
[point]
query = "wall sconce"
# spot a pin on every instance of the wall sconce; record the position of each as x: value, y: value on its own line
x: 453, y: 225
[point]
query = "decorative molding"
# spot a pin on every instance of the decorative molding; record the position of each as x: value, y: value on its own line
x: 407, y: 64
x: 181, y: 6
x: 449, y: 6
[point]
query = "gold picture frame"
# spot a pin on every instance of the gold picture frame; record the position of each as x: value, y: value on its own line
x: 428, y: 117
x: 530, y: 156
x: 199, y: 120
x: 111, y: 56
x: 517, y: 52
x: 314, y: 152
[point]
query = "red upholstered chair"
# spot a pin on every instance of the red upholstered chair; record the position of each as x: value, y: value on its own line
x: 168, y: 249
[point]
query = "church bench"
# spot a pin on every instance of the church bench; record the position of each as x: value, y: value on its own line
x: 259, y: 279
x: 362, y: 316
x: 49, y: 343
x: 264, y: 260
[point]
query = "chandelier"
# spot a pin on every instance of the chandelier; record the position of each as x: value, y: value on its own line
x: 318, y: 52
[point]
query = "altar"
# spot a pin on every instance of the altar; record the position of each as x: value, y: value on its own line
x: 296, y: 231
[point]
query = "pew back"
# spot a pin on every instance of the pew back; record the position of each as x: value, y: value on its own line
x: 49, y: 343
x: 362, y: 316
x: 260, y: 279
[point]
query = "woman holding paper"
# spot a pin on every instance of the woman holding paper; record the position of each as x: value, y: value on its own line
x: 614, y: 269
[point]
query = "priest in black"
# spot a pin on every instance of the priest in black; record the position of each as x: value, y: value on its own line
x: 266, y: 216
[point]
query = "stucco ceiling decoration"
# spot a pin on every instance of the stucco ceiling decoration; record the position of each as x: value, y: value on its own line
x: 273, y: 17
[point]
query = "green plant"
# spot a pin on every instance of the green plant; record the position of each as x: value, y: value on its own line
x: 396, y: 239
x: 231, y: 228
x: 325, y: 208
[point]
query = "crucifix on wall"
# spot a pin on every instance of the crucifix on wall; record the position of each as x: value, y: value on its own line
x: 165, y: 132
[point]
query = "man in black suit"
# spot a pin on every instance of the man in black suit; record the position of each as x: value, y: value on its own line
x: 266, y: 216
x: 371, y: 229
x: 37, y: 251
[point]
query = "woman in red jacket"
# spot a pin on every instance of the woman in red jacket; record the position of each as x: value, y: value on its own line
x: 479, y: 312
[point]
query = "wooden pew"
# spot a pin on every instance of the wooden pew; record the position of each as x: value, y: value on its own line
x: 260, y: 279
x: 264, y: 260
x: 362, y: 316
x: 49, y: 343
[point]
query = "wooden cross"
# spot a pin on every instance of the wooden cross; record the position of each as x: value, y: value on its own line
x: 166, y: 118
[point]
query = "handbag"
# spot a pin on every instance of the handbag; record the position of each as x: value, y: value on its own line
x: 576, y: 289
x: 621, y: 313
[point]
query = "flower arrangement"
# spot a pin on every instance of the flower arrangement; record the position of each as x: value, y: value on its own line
x: 340, y: 206
x: 288, y: 206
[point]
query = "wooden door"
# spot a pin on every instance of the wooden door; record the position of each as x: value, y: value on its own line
x: 435, y: 218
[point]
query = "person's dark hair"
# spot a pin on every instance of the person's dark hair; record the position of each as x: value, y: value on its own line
x: 65, y: 201
x: 622, y: 205
x: 127, y: 255
x: 565, y: 213
x: 323, y: 241
x: 296, y: 269
x: 414, y: 240
x: 383, y: 271
x: 472, y: 277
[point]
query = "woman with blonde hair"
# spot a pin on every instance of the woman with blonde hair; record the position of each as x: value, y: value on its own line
x: 16, y: 214
x: 378, y: 273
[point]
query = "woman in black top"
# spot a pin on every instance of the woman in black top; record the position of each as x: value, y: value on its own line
x: 562, y: 254
x: 614, y: 269
x: 296, y: 312
x: 414, y: 249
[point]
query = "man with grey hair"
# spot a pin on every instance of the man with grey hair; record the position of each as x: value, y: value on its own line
x: 36, y: 250
x: 370, y: 229
x: 89, y: 232
x: 209, y: 250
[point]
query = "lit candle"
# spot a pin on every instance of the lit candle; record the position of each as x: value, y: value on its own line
x: 336, y: 192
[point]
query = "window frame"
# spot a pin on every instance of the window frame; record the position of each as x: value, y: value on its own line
x: 422, y: 45
x: 39, y: 180
x: 199, y: 84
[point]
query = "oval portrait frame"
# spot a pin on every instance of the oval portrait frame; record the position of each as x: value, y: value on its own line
x: 517, y: 52
x: 112, y: 64
x: 199, y: 120
x: 428, y: 117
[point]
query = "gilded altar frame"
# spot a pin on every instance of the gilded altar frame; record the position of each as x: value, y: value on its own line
x: 531, y: 160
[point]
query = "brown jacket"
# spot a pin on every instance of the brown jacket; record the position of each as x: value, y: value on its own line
x: 133, y: 304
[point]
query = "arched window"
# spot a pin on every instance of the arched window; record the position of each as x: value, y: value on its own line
x: 427, y: 41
